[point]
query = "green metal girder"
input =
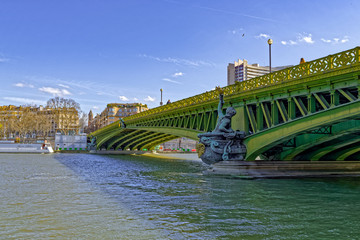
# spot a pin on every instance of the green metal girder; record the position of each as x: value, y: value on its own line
x: 282, y: 110
x: 154, y: 139
x: 322, y: 101
x: 347, y: 94
x: 101, y: 140
x: 126, y: 136
x: 188, y: 133
x: 150, y: 140
x: 130, y: 140
x: 252, y: 119
x: 349, y: 153
x: 300, y: 106
x: 343, y: 151
x: 309, y: 140
x: 316, y: 155
x: 140, y: 141
x: 152, y: 145
x: 115, y: 138
x: 263, y: 141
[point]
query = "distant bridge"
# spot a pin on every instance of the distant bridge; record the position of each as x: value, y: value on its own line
x: 309, y: 111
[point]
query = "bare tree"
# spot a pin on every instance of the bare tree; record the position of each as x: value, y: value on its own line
x: 43, y: 124
x: 83, y: 121
x: 66, y: 114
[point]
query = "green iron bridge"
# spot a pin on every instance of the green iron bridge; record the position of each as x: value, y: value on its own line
x: 309, y: 111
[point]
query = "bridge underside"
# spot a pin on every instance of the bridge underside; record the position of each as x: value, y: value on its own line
x: 140, y: 138
x: 318, y: 137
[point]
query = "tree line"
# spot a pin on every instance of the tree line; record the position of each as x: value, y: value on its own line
x: 60, y: 115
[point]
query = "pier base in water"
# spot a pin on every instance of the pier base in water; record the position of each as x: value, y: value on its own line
x: 286, y: 169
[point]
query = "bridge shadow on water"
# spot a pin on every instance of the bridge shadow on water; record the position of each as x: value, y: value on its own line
x: 174, y: 196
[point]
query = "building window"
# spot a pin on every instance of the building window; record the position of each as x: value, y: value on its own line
x: 111, y: 117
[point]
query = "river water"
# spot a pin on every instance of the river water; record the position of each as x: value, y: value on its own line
x: 83, y: 196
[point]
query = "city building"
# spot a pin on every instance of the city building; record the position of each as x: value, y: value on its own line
x: 112, y: 113
x: 241, y: 71
x: 32, y: 121
x: 182, y: 144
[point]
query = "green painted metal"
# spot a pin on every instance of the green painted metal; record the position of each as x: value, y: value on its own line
x: 349, y: 153
x: 152, y: 145
x: 140, y: 142
x: 319, y: 139
x: 126, y: 137
x: 263, y: 141
x: 319, y: 153
x: 278, y: 111
x: 129, y: 140
x: 116, y: 138
x: 148, y: 143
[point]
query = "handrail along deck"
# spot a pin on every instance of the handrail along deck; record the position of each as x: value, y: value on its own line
x: 331, y: 62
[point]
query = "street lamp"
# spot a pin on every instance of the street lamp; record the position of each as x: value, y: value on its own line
x: 161, y: 102
x: 270, y: 41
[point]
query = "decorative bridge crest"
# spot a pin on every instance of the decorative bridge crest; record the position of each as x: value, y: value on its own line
x: 223, y: 143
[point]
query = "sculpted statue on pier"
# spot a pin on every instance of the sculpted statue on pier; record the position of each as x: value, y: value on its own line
x: 223, y: 124
x: 92, y: 144
x: 223, y: 143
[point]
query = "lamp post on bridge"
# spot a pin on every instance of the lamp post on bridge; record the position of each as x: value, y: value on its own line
x: 161, y: 102
x: 270, y: 41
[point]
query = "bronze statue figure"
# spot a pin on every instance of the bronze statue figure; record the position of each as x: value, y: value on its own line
x: 223, y: 143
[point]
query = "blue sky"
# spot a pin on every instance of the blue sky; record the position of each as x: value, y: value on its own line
x: 97, y: 52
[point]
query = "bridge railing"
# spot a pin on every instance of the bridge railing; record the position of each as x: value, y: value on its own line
x: 329, y: 63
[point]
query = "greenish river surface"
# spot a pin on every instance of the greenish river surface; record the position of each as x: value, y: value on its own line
x: 83, y: 196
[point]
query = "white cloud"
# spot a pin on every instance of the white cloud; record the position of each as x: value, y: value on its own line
x: 24, y: 100
x: 336, y: 40
x: 290, y: 42
x: 178, y: 74
x: 306, y: 37
x: 149, y: 99
x: 302, y: 37
x: 123, y: 98
x: 135, y: 99
x: 55, y: 91
x: 23, y: 85
x: 96, y: 107
x: 325, y: 40
x: 181, y: 61
x: 19, y: 85
x: 63, y: 85
x: 345, y: 39
x: 263, y: 36
x: 172, y: 81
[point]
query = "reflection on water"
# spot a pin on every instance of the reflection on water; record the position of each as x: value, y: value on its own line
x: 136, y: 197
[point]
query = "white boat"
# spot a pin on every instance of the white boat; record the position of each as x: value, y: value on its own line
x: 9, y: 147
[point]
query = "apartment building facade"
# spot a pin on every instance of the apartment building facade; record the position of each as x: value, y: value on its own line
x: 112, y: 113
x: 34, y: 121
x: 241, y: 70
